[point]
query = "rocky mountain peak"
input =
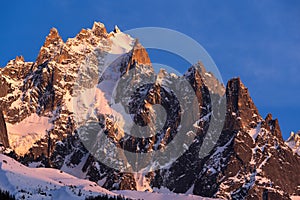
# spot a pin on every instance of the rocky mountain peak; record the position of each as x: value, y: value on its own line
x: 15, y: 68
x: 99, y: 29
x: 269, y: 117
x: 51, y: 48
x: 116, y: 29
x: 139, y: 54
x: 53, y: 38
x: 83, y: 34
x: 194, y: 74
x: 198, y: 71
x: 273, y: 126
x: 19, y: 59
x: 240, y: 107
x: 138, y: 58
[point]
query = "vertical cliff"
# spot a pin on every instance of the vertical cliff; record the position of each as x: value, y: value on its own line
x: 3, y: 131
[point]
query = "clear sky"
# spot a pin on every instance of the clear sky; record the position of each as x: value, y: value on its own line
x: 257, y: 40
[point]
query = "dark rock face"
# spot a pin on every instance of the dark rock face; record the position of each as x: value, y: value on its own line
x: 3, y: 87
x: 241, y: 111
x: 273, y: 127
x: 254, y: 155
x: 250, y: 160
x: 3, y: 131
x: 51, y: 48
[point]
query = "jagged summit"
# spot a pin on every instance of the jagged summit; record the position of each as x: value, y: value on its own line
x: 19, y: 59
x: 240, y: 106
x: 99, y: 29
x: 269, y: 117
x: 214, y: 85
x: 51, y: 48
x: 139, y: 54
x: 53, y: 38
x: 116, y: 29
x: 273, y: 125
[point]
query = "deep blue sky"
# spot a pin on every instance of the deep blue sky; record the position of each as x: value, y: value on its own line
x: 256, y: 40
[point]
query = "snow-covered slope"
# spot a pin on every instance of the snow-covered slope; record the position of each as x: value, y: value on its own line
x: 23, y: 135
x: 46, y: 183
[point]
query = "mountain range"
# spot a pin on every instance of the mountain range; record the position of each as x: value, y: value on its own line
x: 40, y: 125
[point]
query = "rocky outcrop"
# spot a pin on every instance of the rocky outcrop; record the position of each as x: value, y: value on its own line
x: 99, y: 30
x: 273, y: 126
x: 51, y: 48
x: 4, y: 87
x: 250, y: 165
x: 3, y: 131
x: 137, y: 56
x: 241, y: 111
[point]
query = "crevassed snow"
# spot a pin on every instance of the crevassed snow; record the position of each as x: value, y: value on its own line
x: 25, y: 133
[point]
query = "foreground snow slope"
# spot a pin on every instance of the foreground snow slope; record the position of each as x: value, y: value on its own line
x: 45, y: 183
